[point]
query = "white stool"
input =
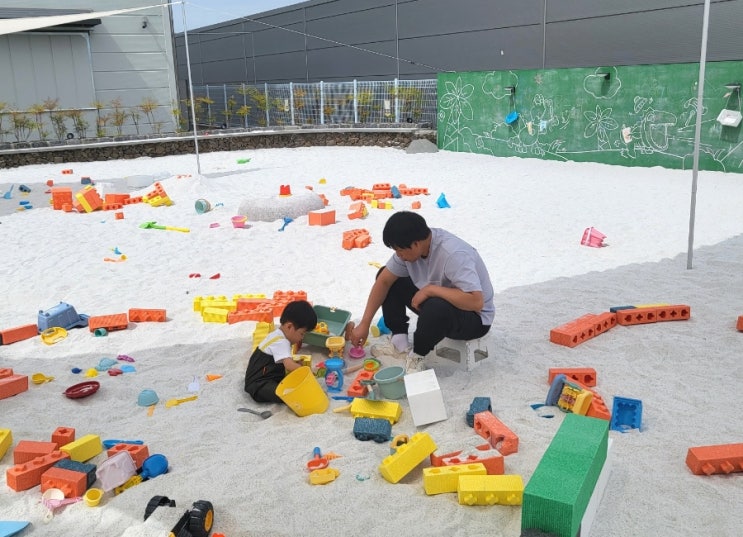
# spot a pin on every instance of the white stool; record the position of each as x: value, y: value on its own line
x: 466, y: 353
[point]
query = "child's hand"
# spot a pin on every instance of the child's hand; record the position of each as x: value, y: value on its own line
x: 348, y: 334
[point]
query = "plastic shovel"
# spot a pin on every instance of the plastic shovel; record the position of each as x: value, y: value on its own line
x: 175, y: 402
x: 318, y: 462
x: 153, y: 225
x: 9, y: 193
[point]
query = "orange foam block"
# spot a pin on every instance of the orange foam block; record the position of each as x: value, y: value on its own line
x: 28, y: 450
x: 72, y: 484
x: 11, y: 384
x: 18, y: 333
x: 493, y: 430
x: 719, y: 459
x: 140, y: 315
x: 322, y: 217
x: 486, y: 454
x: 27, y: 475
x: 584, y: 375
x: 63, y: 435
x: 138, y: 452
x: 118, y: 321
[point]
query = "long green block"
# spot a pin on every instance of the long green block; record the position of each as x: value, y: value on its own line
x: 558, y: 492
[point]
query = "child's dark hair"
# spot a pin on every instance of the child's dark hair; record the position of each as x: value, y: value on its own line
x: 403, y: 229
x: 300, y: 313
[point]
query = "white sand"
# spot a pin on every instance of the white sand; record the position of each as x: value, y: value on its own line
x: 526, y: 217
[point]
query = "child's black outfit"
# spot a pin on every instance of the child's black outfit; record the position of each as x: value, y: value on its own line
x: 263, y: 375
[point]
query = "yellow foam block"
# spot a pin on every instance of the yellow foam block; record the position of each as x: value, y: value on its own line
x: 490, y: 489
x: 440, y: 479
x: 6, y: 439
x: 84, y: 448
x: 396, y: 466
x: 387, y: 410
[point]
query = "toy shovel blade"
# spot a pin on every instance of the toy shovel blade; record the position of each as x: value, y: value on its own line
x: 175, y: 402
x: 151, y: 225
x: 9, y: 193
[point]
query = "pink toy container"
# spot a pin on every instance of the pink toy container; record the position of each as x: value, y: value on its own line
x: 593, y: 237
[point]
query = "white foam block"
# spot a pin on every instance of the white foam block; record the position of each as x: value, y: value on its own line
x: 424, y: 397
x: 598, y: 491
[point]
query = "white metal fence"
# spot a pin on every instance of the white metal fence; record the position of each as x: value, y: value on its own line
x: 321, y: 103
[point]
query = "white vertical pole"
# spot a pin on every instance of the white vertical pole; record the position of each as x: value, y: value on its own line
x: 697, y: 135
x: 190, y: 89
x: 322, y: 104
x: 268, y: 104
x: 291, y: 99
x: 355, y: 102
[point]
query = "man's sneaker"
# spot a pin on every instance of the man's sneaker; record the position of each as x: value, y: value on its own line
x: 415, y: 363
x: 380, y: 350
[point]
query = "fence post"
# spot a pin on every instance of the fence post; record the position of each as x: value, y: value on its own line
x: 397, y: 102
x: 208, y: 105
x: 322, y: 104
x: 245, y: 102
x: 291, y: 99
x: 226, y: 115
x: 355, y: 102
x: 268, y: 116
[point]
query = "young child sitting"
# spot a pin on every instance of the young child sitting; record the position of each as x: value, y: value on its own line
x: 272, y: 359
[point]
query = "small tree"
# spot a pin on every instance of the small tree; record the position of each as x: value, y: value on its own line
x: 136, y: 116
x: 177, y: 117
x: 208, y: 101
x: 38, y: 111
x: 55, y: 117
x: 3, y: 132
x: 79, y: 122
x: 244, y: 111
x: 118, y: 116
x: 22, y: 125
x: 101, y: 119
x: 148, y: 107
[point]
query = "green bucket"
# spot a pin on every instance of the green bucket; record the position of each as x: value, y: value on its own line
x: 390, y: 382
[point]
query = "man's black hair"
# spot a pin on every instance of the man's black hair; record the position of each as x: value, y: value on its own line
x: 403, y: 229
x: 300, y: 313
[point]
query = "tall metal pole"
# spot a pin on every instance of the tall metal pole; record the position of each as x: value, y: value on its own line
x: 190, y: 89
x: 697, y: 135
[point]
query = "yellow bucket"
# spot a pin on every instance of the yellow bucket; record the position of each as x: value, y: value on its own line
x: 302, y: 393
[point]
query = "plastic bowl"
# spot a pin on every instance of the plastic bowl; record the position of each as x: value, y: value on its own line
x: 147, y: 398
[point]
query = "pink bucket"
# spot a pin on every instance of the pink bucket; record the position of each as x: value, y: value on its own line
x: 593, y: 237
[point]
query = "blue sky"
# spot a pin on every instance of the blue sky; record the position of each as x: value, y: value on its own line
x: 204, y: 12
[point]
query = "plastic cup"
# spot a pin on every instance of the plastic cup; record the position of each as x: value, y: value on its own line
x: 202, y: 206
x: 93, y: 497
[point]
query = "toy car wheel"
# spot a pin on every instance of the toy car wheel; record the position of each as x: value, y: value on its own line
x: 201, y: 519
x: 379, y: 439
x: 362, y: 436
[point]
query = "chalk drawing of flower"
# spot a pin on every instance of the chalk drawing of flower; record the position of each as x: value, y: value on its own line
x: 456, y: 99
x: 600, y: 123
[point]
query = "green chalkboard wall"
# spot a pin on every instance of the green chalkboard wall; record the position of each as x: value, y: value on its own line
x: 642, y: 115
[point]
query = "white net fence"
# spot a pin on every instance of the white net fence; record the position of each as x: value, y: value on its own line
x: 322, y: 103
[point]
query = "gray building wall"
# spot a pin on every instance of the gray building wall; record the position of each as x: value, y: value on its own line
x: 334, y: 40
x: 120, y: 59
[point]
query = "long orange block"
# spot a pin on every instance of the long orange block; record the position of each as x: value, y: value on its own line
x: 493, y: 430
x: 28, y: 450
x: 575, y: 332
x: 739, y: 326
x: 322, y: 217
x: 634, y: 316
x: 27, y: 475
x: 678, y: 312
x: 719, y: 459
x: 584, y: 375
x: 18, y: 333
x: 72, y: 484
x: 140, y: 315
x: 118, y: 321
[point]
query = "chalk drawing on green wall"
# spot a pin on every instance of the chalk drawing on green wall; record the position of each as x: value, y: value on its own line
x: 627, y: 115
